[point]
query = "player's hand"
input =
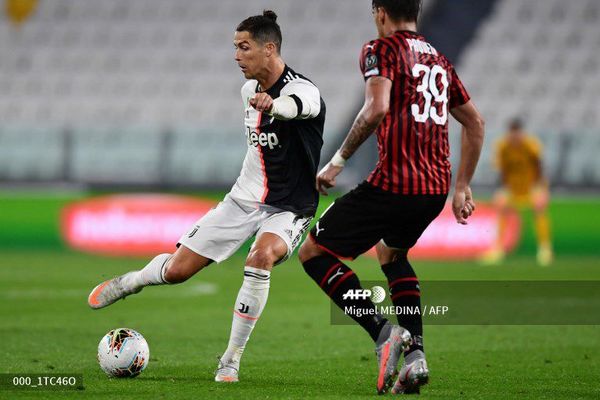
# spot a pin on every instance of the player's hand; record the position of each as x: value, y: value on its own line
x: 463, y: 205
x: 262, y: 102
x: 326, y: 178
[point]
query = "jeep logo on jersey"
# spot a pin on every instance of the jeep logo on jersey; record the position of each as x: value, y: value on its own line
x: 263, y: 139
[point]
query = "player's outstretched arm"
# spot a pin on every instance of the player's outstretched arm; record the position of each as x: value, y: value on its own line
x: 473, y: 128
x: 376, y: 106
x: 299, y: 99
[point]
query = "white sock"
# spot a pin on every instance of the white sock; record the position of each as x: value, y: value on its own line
x: 249, y: 304
x: 151, y: 274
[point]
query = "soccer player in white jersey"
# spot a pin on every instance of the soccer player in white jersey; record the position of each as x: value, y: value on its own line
x: 273, y: 199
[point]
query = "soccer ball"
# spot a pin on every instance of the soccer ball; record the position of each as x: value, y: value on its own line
x: 123, y: 353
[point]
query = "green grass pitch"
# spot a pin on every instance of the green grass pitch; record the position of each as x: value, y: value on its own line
x: 294, y: 352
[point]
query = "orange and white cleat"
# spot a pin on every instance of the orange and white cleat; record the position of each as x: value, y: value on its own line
x: 389, y: 352
x: 226, y: 372
x: 109, y: 292
x: 413, y: 375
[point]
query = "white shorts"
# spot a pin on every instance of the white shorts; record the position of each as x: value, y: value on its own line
x: 223, y: 230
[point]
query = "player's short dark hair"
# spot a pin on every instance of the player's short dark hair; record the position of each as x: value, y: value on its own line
x: 400, y: 10
x: 263, y: 28
x: 516, y: 123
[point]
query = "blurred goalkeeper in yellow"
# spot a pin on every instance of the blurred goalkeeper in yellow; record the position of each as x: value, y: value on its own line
x: 519, y: 160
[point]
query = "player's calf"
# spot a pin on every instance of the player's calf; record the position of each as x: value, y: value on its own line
x: 184, y: 264
x: 118, y: 288
x: 162, y: 269
x: 405, y: 293
x: 250, y: 302
x: 336, y: 279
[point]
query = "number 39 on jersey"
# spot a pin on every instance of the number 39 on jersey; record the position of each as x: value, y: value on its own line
x: 436, y: 100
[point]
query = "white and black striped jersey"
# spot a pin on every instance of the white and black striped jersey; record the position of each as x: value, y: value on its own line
x: 282, y: 158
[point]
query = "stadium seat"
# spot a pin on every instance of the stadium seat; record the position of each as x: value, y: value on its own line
x: 526, y: 60
x: 31, y: 152
x: 144, y: 63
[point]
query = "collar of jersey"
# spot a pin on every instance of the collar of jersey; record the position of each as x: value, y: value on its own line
x: 278, y: 82
x: 407, y: 31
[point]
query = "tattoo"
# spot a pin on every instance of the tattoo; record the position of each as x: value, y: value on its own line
x: 360, y: 131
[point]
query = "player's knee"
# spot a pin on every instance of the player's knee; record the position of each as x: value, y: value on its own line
x: 401, y: 255
x: 308, y: 250
x: 387, y: 255
x: 539, y: 208
x: 303, y: 252
x: 262, y: 257
x: 540, y: 213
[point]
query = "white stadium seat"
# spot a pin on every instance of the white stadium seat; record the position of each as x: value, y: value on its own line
x: 168, y: 66
x: 536, y: 59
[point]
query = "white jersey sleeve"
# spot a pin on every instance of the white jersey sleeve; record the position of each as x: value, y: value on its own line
x: 306, y: 95
x: 284, y: 146
x: 248, y: 90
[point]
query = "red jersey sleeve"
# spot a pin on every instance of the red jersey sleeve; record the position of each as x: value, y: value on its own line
x: 377, y: 59
x: 458, y: 93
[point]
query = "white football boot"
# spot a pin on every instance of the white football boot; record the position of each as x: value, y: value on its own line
x: 109, y: 292
x: 413, y: 374
x: 389, y: 350
x: 226, y: 372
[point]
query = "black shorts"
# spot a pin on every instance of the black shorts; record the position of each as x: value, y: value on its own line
x: 358, y: 220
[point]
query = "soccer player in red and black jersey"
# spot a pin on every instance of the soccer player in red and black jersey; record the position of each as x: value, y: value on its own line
x: 410, y: 91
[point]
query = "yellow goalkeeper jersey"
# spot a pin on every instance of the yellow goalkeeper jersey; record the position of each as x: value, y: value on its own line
x: 519, y: 162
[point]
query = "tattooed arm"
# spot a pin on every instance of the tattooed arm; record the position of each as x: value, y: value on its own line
x: 377, y: 102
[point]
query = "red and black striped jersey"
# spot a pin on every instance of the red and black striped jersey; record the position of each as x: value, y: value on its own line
x: 413, y: 137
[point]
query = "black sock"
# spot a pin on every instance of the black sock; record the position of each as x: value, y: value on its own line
x: 335, y: 279
x: 405, y: 292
